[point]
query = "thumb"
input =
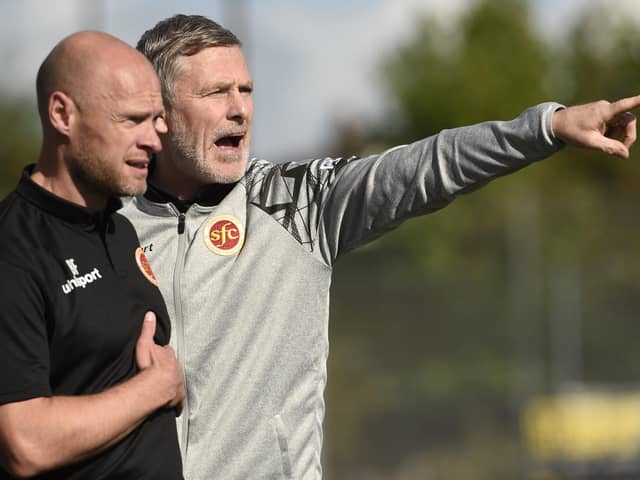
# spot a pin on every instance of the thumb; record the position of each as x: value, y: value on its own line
x: 145, y: 343
x: 148, y: 327
x: 613, y: 147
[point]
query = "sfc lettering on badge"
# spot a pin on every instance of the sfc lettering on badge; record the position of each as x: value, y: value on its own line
x: 224, y: 235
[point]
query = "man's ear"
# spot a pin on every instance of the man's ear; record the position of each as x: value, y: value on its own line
x: 61, y: 110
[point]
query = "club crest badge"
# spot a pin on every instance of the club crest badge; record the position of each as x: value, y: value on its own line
x: 145, y: 268
x: 223, y: 235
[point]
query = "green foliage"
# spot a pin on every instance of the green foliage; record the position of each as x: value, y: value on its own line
x: 441, y: 318
x: 442, y: 79
x: 19, y: 141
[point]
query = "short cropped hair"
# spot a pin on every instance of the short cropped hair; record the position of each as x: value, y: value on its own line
x: 177, y: 36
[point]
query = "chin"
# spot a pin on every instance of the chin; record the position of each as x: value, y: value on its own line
x: 229, y: 172
x: 132, y: 191
x: 228, y: 177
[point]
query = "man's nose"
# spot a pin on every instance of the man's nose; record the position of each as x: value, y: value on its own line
x: 239, y: 106
x: 150, y: 138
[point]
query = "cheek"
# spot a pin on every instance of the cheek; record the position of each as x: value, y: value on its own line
x: 180, y: 127
x: 119, y: 145
x: 90, y: 143
x: 201, y: 134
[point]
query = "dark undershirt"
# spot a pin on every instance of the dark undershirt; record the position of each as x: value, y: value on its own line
x: 210, y: 195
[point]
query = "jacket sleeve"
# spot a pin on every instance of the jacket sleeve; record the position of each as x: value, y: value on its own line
x: 334, y: 205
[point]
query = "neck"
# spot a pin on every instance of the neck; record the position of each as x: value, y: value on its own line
x: 52, y: 174
x: 173, y: 181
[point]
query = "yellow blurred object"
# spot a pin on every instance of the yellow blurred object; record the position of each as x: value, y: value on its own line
x: 583, y: 426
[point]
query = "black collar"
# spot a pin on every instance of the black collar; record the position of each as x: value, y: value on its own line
x: 61, y: 208
x: 208, y: 196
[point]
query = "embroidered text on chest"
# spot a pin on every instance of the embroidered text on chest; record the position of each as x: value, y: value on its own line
x: 79, y: 281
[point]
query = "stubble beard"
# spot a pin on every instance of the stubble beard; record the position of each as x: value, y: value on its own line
x: 206, y: 172
x: 98, y: 176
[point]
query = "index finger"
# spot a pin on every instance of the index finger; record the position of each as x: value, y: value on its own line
x: 625, y: 104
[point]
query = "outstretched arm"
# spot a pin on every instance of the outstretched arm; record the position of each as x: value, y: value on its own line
x: 43, y: 433
x: 604, y: 126
x: 344, y: 203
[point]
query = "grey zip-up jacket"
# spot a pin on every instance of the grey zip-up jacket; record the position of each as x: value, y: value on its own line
x: 246, y: 283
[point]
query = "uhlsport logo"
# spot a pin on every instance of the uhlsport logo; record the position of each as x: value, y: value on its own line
x: 224, y: 235
x: 78, y: 281
x: 145, y: 268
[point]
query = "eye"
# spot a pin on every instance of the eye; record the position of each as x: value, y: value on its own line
x: 213, y: 93
x: 136, y: 119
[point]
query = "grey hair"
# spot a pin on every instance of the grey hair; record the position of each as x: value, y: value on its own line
x: 177, y: 36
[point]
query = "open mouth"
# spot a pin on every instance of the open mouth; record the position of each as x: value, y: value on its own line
x: 140, y: 164
x: 229, y: 141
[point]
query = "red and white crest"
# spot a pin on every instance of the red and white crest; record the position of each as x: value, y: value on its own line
x: 145, y: 268
x: 224, y: 235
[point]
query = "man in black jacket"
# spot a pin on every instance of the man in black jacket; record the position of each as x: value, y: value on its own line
x: 84, y: 393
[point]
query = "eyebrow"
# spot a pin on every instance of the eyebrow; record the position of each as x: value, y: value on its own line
x: 141, y: 114
x: 208, y: 87
x: 222, y: 85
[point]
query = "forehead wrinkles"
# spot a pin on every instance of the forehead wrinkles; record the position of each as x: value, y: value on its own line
x: 211, y: 66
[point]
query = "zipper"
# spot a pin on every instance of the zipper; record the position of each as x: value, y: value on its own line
x: 180, y: 344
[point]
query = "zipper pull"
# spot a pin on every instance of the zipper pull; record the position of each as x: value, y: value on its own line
x: 181, y: 224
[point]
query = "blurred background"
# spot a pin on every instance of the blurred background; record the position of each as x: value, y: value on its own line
x: 495, y: 339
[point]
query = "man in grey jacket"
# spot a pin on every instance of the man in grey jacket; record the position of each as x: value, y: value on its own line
x: 244, y: 249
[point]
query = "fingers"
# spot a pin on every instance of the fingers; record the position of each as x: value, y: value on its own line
x: 161, y: 366
x: 604, y: 126
x: 630, y: 133
x: 624, y: 105
x: 177, y: 379
x: 628, y: 129
x: 613, y: 147
x: 178, y: 401
x: 621, y: 126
